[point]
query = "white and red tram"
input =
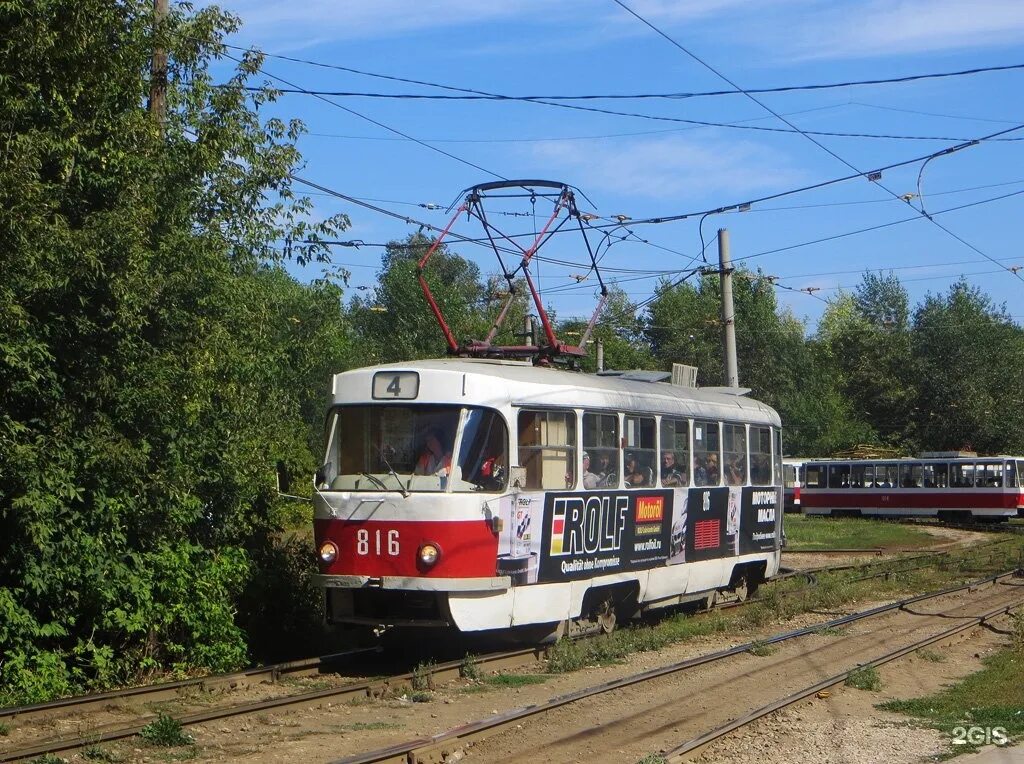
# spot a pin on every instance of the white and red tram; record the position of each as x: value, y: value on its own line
x: 491, y: 494
x: 951, y: 485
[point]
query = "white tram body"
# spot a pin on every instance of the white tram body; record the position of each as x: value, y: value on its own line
x: 553, y: 494
x: 951, y: 486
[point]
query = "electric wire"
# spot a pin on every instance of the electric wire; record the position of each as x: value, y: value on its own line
x: 381, y: 124
x: 807, y: 135
x: 474, y: 94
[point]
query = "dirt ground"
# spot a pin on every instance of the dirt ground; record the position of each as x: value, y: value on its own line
x: 847, y: 728
x: 625, y: 725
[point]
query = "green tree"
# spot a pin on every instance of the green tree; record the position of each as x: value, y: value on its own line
x: 868, y: 336
x: 156, y: 362
x: 970, y: 355
x: 396, y: 324
x: 684, y: 326
x: 620, y: 331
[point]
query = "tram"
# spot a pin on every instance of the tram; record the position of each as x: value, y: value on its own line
x: 482, y: 495
x: 950, y: 485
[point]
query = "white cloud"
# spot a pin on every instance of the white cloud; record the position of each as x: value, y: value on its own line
x: 878, y: 28
x: 672, y: 166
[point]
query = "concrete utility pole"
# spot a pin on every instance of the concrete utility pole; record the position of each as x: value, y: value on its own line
x: 600, y: 355
x: 732, y: 377
x: 158, y: 71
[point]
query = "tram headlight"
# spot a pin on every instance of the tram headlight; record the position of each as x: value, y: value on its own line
x: 428, y: 555
x: 328, y: 552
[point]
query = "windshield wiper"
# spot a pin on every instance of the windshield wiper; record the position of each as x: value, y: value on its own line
x: 391, y: 471
x: 375, y: 480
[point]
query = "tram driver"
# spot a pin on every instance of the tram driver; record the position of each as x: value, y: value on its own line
x: 435, y: 458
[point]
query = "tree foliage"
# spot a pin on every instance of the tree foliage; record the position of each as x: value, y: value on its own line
x: 156, y: 361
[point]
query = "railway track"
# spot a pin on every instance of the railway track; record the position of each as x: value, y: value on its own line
x: 447, y: 745
x: 319, y: 697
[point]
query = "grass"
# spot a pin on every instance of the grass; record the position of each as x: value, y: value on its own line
x: 165, y: 731
x: 930, y: 655
x: 864, y: 678
x: 990, y: 698
x: 369, y: 726
x: 809, y: 533
x: 98, y: 753
x: 423, y: 676
x: 421, y: 696
x: 652, y: 758
x: 763, y: 649
x: 469, y: 669
x: 572, y: 655
x: 829, y: 631
x: 4, y: 730
x: 504, y: 682
x: 48, y: 758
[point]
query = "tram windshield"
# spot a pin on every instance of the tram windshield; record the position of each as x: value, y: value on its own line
x: 412, y: 449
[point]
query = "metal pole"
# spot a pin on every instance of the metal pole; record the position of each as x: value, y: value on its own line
x: 158, y: 71
x: 600, y: 355
x: 732, y: 378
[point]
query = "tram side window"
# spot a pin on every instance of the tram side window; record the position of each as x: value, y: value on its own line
x: 815, y: 476
x: 734, y: 448
x: 935, y: 475
x: 547, y: 448
x: 990, y: 475
x: 640, y: 457
x: 839, y: 476
x: 675, y: 452
x: 600, y: 450
x: 1013, y: 474
x: 483, y: 455
x: 761, y: 456
x: 961, y: 475
x: 862, y: 475
x: 910, y: 476
x: 705, y: 453
x: 887, y: 475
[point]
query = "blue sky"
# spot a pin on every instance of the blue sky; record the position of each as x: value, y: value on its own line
x: 643, y: 167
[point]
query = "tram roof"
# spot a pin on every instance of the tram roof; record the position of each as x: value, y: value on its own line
x: 521, y: 383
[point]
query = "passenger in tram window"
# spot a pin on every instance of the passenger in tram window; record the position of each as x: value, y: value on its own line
x: 590, y: 479
x: 671, y: 474
x: 734, y: 472
x: 435, y: 458
x: 636, y: 476
x: 712, y: 468
x: 606, y: 476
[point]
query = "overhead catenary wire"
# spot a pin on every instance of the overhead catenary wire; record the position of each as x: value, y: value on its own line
x: 473, y: 93
x: 808, y: 136
x: 382, y: 125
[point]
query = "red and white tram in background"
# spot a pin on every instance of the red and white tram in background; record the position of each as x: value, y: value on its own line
x: 555, y: 498
x: 948, y: 485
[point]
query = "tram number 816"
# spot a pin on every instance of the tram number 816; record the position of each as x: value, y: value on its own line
x: 381, y: 542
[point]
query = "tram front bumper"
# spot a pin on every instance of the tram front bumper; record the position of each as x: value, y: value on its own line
x: 420, y: 584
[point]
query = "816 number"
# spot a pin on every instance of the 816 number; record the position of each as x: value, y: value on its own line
x: 381, y: 542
